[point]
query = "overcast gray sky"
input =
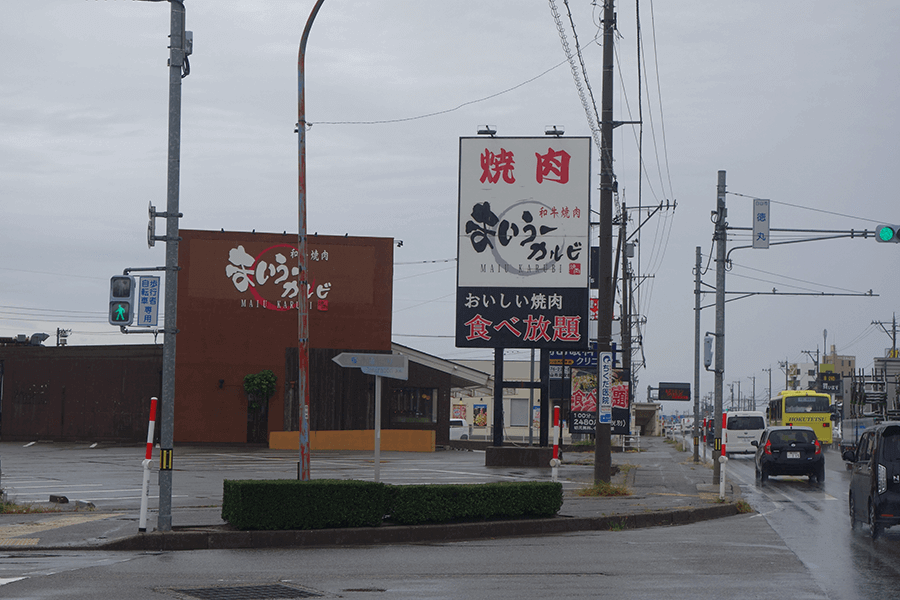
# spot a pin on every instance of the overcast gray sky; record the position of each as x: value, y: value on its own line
x: 796, y: 101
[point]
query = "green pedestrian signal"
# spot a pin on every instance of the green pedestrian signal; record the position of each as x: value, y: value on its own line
x: 888, y: 233
x: 120, y: 313
x: 121, y: 300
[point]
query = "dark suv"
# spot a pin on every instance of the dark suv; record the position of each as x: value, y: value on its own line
x: 789, y: 451
x: 875, y: 477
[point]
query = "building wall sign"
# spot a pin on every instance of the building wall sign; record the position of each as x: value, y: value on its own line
x: 524, y: 216
x: 269, y: 280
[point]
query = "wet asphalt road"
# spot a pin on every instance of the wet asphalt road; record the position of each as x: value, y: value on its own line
x: 798, y: 545
x: 813, y: 521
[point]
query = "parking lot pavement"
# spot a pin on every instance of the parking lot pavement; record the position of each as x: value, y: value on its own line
x: 104, y: 481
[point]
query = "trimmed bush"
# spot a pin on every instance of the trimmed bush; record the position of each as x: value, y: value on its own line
x: 418, y: 504
x: 292, y: 504
x: 321, y: 504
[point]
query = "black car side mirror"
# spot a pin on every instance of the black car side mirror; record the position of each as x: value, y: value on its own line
x: 849, y: 455
x: 754, y: 443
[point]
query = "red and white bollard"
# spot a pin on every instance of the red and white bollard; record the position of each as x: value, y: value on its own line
x: 724, y: 434
x: 554, y: 462
x: 145, y: 487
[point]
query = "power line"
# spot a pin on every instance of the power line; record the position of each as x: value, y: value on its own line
x: 820, y: 210
x: 439, y: 112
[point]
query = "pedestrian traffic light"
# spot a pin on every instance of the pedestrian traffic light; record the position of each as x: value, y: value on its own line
x: 888, y: 233
x: 121, y: 300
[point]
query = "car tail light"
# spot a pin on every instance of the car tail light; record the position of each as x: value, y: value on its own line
x: 768, y: 447
x: 882, y: 479
x: 818, y: 447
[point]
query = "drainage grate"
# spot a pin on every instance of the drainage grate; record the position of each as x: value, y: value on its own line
x: 248, y: 592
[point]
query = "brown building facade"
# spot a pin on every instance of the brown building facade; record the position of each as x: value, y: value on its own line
x: 237, y: 315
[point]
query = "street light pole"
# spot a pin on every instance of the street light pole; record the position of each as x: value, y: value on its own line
x: 303, y: 296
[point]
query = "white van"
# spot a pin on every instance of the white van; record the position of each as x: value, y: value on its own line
x: 741, y: 428
x: 459, y: 429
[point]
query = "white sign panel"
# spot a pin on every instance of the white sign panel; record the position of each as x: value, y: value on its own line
x: 523, y: 242
x: 524, y: 211
x: 760, y: 223
x: 148, y: 302
x: 395, y: 366
x: 606, y: 366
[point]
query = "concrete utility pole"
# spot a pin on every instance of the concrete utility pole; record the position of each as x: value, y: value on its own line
x: 720, y: 238
x: 892, y: 333
x: 602, y: 451
x: 697, y: 265
x: 177, y: 65
x: 752, y: 402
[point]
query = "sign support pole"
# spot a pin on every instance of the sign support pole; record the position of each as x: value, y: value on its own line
x: 377, y: 428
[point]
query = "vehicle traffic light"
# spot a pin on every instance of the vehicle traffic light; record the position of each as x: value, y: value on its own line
x: 121, y: 300
x: 888, y: 233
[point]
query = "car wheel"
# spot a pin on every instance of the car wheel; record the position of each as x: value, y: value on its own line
x: 873, y: 522
x: 853, y: 521
x: 820, y: 474
x: 758, y: 477
x: 463, y: 437
x: 763, y: 473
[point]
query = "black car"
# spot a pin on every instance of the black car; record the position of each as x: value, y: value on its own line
x: 789, y: 451
x: 875, y: 477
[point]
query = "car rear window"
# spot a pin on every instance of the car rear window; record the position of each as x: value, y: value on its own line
x: 751, y: 422
x: 792, y: 436
x: 891, y: 444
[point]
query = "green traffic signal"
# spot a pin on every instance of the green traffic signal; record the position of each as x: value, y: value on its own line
x: 888, y: 233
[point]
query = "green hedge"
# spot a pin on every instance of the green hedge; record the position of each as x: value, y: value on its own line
x: 319, y: 504
x: 292, y: 504
x: 417, y: 504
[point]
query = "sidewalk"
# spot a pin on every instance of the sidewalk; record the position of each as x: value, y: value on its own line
x: 666, y: 488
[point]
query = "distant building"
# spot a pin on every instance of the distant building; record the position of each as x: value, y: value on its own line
x: 843, y: 366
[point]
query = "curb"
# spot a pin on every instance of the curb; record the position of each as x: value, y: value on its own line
x: 222, y: 539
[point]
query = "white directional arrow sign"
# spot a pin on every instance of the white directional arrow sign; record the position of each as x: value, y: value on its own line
x: 395, y: 366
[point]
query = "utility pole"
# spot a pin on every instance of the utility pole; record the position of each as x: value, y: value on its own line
x: 769, y: 389
x: 177, y: 66
x: 602, y: 451
x: 752, y: 402
x: 892, y: 334
x: 697, y: 265
x: 720, y: 238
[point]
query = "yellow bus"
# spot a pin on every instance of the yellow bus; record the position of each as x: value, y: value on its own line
x: 805, y: 408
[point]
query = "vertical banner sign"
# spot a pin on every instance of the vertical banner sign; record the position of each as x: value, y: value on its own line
x: 760, y: 223
x: 148, y: 302
x: 522, y: 250
x: 621, y: 412
x: 606, y: 364
x: 583, y: 407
